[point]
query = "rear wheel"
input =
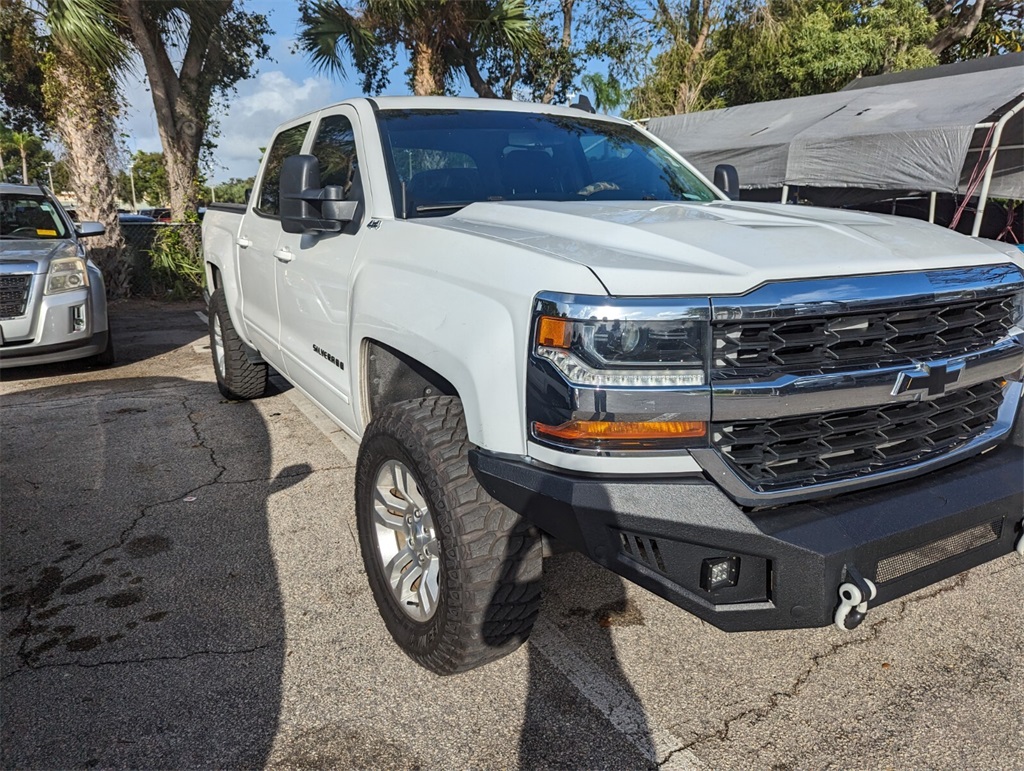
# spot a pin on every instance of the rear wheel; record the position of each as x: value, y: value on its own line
x: 455, y: 574
x: 238, y: 377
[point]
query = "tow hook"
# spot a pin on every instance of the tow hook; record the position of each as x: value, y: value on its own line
x: 854, y: 596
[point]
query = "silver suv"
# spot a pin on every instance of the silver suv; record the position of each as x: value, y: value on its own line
x: 53, y: 304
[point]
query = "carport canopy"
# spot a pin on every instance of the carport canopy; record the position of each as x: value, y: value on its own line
x: 922, y: 131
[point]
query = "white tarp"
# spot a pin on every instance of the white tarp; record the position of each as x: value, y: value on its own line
x: 899, y: 136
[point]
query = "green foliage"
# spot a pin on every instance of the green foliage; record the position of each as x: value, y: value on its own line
x: 446, y: 40
x: 759, y: 50
x: 233, y: 191
x: 21, y: 77
x: 999, y: 29
x: 12, y: 143
x: 176, y: 258
x: 151, y: 184
x: 789, y: 48
x: 608, y: 91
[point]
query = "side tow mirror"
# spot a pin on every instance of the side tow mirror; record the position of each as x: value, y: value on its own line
x: 305, y: 206
x: 728, y: 180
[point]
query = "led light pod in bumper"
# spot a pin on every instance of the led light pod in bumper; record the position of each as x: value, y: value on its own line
x: 719, y: 572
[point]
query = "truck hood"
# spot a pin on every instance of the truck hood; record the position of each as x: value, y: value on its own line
x: 32, y: 255
x: 656, y: 248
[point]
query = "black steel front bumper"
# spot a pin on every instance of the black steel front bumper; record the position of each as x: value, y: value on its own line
x: 659, y: 532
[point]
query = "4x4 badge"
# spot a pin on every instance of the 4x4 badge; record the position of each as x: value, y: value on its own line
x: 933, y: 377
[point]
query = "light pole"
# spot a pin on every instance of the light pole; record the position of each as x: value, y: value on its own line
x: 213, y: 195
x: 49, y: 174
x: 131, y: 173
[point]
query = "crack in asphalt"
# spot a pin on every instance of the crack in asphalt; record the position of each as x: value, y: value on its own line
x: 775, y: 699
x: 144, y: 511
x: 89, y: 397
x: 142, y: 659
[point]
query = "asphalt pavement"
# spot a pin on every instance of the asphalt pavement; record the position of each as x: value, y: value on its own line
x: 181, y: 588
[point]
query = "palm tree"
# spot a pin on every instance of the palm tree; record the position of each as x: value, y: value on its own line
x: 84, y: 55
x: 443, y: 37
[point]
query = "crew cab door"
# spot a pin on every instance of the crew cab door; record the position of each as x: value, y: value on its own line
x: 256, y: 243
x: 314, y: 273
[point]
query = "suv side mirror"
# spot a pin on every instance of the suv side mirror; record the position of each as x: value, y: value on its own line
x: 728, y: 180
x: 305, y: 206
x: 86, y: 229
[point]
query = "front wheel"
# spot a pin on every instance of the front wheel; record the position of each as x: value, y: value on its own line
x: 454, y: 573
x: 238, y: 377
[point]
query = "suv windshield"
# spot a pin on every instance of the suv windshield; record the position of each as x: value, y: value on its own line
x: 442, y: 160
x: 29, y: 216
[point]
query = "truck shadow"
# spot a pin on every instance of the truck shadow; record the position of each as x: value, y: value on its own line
x: 142, y: 622
x: 607, y: 727
x: 580, y: 711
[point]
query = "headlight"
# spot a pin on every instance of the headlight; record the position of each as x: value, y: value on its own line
x: 619, y: 374
x: 66, y: 274
x: 629, y: 342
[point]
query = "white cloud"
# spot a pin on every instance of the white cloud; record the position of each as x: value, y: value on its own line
x: 247, y: 124
x: 253, y: 114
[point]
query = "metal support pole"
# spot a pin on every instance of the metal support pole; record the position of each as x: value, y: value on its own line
x: 785, y: 193
x: 997, y: 134
x: 931, y: 206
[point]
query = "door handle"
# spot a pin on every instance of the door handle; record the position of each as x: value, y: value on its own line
x: 243, y: 242
x: 284, y: 254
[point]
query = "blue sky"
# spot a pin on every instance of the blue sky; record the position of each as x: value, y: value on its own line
x: 284, y: 86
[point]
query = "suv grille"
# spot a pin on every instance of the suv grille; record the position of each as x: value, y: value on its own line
x: 13, y: 295
x: 803, y: 450
x: 860, y: 339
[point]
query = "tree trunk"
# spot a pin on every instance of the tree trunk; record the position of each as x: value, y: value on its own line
x: 83, y: 106
x: 426, y: 76
x: 24, y: 163
x: 181, y: 102
x: 549, y: 91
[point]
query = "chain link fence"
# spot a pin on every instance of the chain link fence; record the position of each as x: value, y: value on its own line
x: 164, y: 259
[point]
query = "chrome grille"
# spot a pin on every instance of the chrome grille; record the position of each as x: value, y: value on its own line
x: 753, y: 347
x: 14, y: 295
x: 783, y: 453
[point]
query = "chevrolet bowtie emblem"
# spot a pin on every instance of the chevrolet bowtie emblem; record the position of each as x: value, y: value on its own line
x: 932, y: 378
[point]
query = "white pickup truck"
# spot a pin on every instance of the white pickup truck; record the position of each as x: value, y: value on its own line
x: 544, y: 326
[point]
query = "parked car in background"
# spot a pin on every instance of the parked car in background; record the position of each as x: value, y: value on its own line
x: 134, y: 219
x: 160, y: 215
x: 53, y: 304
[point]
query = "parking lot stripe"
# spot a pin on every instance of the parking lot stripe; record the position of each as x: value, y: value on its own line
x: 613, y: 701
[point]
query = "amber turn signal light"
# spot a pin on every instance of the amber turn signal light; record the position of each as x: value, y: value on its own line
x: 554, y: 333
x: 576, y: 430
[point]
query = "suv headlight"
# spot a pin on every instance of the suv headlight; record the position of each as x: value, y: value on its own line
x: 632, y: 372
x: 66, y: 274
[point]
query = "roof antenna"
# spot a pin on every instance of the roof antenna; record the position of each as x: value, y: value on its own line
x: 584, y: 104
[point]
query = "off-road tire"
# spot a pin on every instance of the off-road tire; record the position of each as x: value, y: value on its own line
x: 240, y: 378
x: 491, y: 558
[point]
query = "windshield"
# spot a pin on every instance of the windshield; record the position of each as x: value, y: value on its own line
x: 29, y: 216
x: 442, y: 160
